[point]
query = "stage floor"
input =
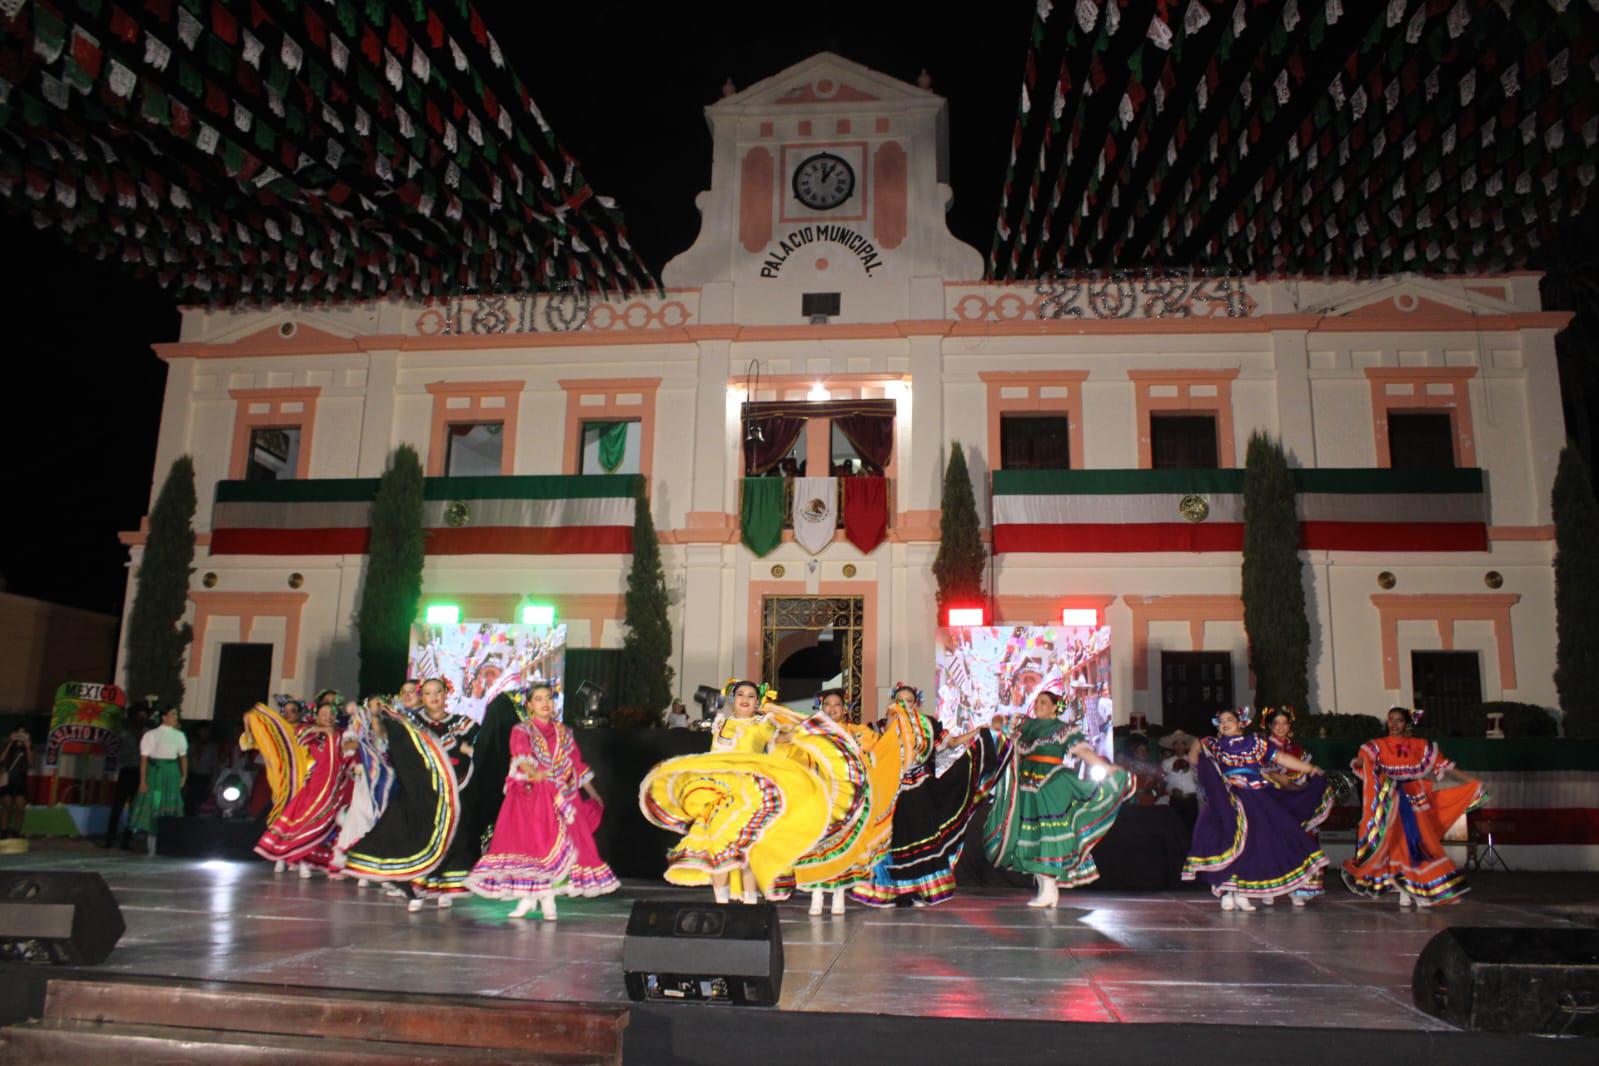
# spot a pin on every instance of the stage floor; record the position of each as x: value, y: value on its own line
x: 1102, y: 957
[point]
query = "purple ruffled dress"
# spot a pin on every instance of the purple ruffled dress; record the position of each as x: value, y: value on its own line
x: 1253, y: 838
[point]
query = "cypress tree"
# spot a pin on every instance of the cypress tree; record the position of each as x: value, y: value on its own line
x: 1576, y: 516
x: 1273, y: 583
x: 646, y: 676
x: 961, y: 557
x: 393, y: 586
x: 157, y: 634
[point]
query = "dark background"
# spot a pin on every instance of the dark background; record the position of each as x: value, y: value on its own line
x: 623, y: 87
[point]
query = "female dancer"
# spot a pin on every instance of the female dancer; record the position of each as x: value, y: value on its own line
x: 303, y: 833
x: 163, y: 769
x: 412, y: 835
x: 884, y: 752
x: 1045, y: 819
x: 544, y: 837
x: 366, y: 757
x: 1253, y: 840
x: 1279, y: 724
x: 746, y: 816
x: 827, y: 750
x: 457, y: 736
x: 1404, y: 817
x: 932, y: 810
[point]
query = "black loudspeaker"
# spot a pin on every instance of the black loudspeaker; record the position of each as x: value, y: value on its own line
x: 65, y: 918
x: 1512, y: 980
x: 704, y: 953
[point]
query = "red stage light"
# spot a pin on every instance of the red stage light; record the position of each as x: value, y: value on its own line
x: 965, y: 616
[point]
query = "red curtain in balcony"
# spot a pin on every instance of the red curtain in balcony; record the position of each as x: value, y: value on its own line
x: 871, y: 434
x: 777, y: 434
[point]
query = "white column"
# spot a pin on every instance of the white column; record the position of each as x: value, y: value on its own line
x: 1296, y: 427
x: 705, y: 642
x: 711, y: 446
x: 921, y: 473
x: 377, y: 412
x: 1546, y: 431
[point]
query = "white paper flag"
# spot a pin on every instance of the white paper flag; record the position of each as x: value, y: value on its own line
x: 815, y: 512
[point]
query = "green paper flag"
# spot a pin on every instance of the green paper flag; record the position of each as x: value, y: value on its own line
x: 762, y: 513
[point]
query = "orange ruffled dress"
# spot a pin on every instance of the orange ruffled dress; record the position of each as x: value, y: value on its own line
x: 1404, y: 816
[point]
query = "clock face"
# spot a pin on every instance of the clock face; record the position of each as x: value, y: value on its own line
x: 823, y: 181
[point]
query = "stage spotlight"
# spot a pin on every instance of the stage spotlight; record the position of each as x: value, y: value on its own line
x: 231, y: 793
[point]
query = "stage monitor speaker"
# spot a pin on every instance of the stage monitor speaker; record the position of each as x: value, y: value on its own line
x: 1512, y: 980
x: 70, y: 919
x: 704, y: 953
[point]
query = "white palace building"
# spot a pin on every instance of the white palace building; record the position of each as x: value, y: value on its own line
x: 1105, y: 424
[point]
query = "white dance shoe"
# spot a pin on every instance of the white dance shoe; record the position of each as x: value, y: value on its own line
x: 1048, y: 892
x: 279, y: 866
x: 524, y: 906
x: 838, y: 901
x: 817, y: 896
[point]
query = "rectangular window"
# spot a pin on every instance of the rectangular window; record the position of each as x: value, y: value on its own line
x: 1421, y: 440
x: 1194, y: 685
x: 1035, y: 442
x: 1182, y: 442
x: 474, y: 449
x: 610, y: 448
x: 274, y: 454
x: 1447, y: 685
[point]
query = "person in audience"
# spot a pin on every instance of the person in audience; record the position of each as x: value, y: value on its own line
x: 16, y: 760
x: 1252, y: 840
x: 1045, y: 819
x: 544, y: 837
x: 1404, y: 816
x: 127, y: 785
x: 1177, y: 770
x: 163, y: 768
x: 677, y: 716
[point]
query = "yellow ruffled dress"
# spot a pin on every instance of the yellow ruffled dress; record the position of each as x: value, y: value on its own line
x: 828, y: 751
x: 286, y: 760
x: 737, y: 805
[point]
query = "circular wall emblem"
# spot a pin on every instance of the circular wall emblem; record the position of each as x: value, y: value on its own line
x: 1194, y: 508
x: 457, y: 515
x: 815, y: 510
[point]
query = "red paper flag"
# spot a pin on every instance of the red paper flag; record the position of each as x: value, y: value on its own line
x: 865, y: 511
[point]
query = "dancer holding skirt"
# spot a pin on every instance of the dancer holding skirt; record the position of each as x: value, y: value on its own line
x: 746, y: 816
x: 1404, y: 816
x: 544, y: 837
x: 1045, y: 819
x: 303, y: 834
x: 1253, y: 840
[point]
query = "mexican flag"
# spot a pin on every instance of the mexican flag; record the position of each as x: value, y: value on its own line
x: 555, y: 515
x: 1203, y: 510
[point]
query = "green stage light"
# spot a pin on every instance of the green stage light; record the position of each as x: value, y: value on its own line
x: 538, y: 614
x: 443, y: 614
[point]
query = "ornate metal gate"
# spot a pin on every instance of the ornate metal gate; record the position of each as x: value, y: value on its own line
x: 844, y: 615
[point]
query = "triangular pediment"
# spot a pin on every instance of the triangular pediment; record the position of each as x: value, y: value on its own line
x: 1422, y: 297
x: 287, y: 330
x: 821, y: 80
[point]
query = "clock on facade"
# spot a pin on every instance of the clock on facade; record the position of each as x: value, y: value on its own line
x: 823, y: 181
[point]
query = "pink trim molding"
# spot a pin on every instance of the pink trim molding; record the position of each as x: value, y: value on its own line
x: 1033, y: 382
x: 247, y: 607
x: 1185, y: 382
x: 611, y: 408
x: 475, y: 393
x: 1445, y: 611
x: 274, y: 417
x: 1406, y: 389
x: 1195, y: 610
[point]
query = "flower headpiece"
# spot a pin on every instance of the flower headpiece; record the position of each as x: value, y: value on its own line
x: 1244, y: 714
x: 1268, y: 713
x: 283, y: 699
x: 322, y: 697
x: 766, y: 693
x: 449, y: 689
x: 907, y: 685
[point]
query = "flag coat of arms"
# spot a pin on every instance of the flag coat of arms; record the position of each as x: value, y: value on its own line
x: 815, y: 512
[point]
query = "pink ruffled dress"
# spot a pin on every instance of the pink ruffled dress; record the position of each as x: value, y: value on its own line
x: 544, y: 837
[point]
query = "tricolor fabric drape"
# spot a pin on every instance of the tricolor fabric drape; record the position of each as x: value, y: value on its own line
x: 761, y: 516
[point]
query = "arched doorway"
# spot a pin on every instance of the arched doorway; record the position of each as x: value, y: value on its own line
x: 808, y: 640
x: 808, y: 668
